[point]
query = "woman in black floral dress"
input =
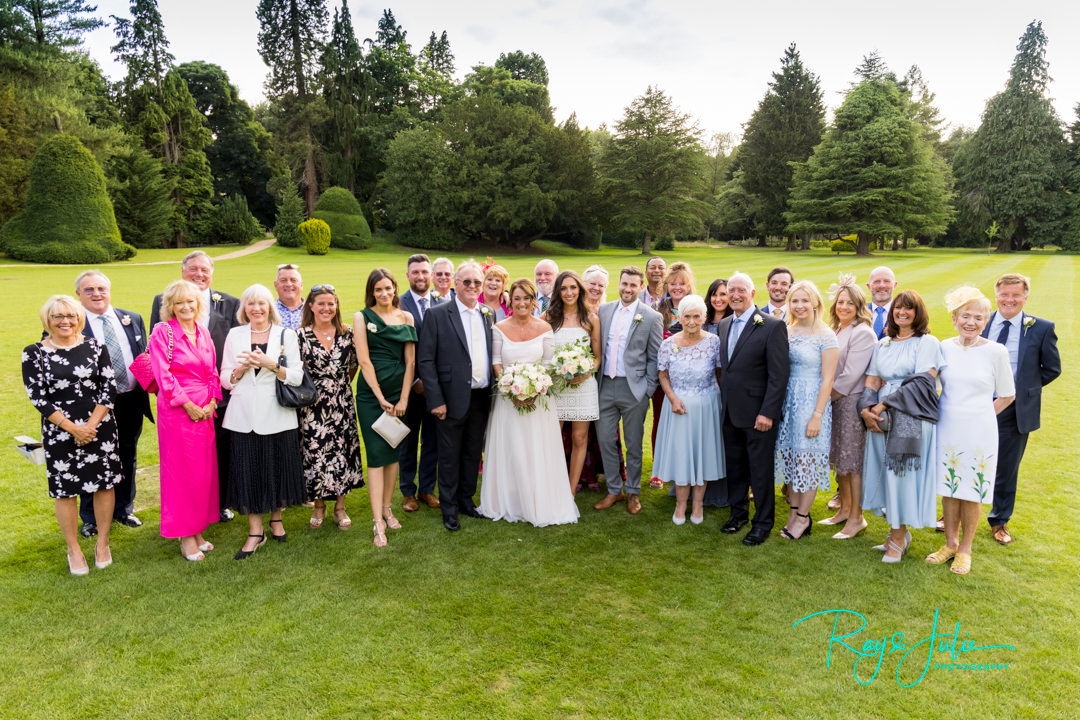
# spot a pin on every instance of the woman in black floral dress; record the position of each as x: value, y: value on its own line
x: 69, y: 379
x: 328, y: 435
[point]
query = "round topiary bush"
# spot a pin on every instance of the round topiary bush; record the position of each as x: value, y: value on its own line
x: 341, y: 211
x: 316, y: 235
x: 69, y: 217
x: 840, y: 246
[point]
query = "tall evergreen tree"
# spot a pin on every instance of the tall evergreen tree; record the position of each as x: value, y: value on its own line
x: 291, y: 38
x: 524, y: 66
x: 784, y: 129
x: 1071, y: 238
x: 141, y: 198
x: 142, y: 45
x: 346, y: 89
x: 56, y: 23
x: 1012, y: 170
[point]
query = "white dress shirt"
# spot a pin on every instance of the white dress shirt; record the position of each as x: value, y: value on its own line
x: 416, y: 299
x: 1012, y: 344
x: 472, y: 321
x: 616, y: 339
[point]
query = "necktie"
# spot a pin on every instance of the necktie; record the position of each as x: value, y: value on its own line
x: 423, y: 307
x: 116, y: 355
x: 476, y: 333
x: 544, y: 302
x: 736, y: 328
x: 1003, y: 336
x: 777, y: 312
x: 879, y: 320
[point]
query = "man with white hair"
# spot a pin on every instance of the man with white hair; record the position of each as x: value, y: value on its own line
x: 124, y: 336
x: 544, y: 273
x: 882, y: 284
x: 289, y: 287
x: 754, y: 373
x: 442, y: 278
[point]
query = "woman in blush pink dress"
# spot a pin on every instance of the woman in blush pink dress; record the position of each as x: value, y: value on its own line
x: 189, y: 390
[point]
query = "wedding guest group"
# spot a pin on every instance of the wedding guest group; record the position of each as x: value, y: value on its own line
x: 518, y: 394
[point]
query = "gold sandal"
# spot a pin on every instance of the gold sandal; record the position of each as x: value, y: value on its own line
x: 941, y: 556
x: 961, y: 564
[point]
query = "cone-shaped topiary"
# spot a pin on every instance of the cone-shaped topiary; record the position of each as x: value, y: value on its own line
x: 69, y: 217
x: 341, y: 211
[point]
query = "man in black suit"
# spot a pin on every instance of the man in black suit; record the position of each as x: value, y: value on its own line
x: 454, y: 362
x: 1033, y: 354
x: 753, y: 380
x: 418, y: 300
x: 197, y: 267
x: 124, y: 336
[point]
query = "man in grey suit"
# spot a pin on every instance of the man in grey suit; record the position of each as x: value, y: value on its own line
x: 630, y: 333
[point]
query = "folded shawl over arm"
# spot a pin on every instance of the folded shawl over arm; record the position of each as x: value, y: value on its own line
x: 913, y: 403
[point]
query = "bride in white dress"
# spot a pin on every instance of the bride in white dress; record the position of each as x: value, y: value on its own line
x: 524, y: 470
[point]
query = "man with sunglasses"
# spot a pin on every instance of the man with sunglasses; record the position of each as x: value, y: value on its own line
x: 442, y: 279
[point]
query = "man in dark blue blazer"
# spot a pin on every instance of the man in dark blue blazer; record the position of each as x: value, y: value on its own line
x: 417, y: 301
x: 753, y: 381
x: 454, y: 362
x: 124, y: 336
x: 1033, y: 354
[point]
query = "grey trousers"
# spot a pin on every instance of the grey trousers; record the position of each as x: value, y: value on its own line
x: 617, y: 402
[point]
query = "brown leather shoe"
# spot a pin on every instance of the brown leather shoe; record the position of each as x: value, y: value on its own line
x: 1001, y: 534
x: 608, y: 501
x: 633, y: 504
x: 428, y: 499
x: 408, y: 504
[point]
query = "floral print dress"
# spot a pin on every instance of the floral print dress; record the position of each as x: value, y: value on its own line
x: 74, y: 380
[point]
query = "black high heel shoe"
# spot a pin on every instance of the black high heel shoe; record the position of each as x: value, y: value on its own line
x: 243, y: 554
x: 283, y: 536
x: 806, y: 532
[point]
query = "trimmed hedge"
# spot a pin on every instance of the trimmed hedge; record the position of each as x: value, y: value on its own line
x: 69, y: 218
x: 317, y: 236
x: 341, y: 211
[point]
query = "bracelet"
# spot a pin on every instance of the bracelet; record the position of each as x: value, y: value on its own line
x: 817, y: 413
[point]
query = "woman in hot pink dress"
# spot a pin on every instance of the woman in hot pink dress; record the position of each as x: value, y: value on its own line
x: 185, y: 368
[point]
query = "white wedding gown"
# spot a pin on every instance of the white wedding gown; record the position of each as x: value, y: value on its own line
x: 524, y: 465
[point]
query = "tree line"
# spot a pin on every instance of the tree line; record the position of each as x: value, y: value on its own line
x: 439, y: 161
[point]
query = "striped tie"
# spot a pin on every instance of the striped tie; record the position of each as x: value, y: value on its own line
x: 116, y: 355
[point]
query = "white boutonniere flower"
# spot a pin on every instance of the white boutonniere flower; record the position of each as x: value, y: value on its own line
x: 675, y: 348
x: 126, y: 320
x: 758, y: 320
x: 216, y: 297
x: 1028, y: 322
x: 435, y: 295
x: 485, y: 310
x: 372, y: 327
x: 886, y: 341
x: 638, y: 318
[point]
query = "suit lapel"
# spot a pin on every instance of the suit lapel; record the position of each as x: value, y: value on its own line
x: 459, y: 327
x: 1021, y: 342
x: 129, y: 330
x: 633, y: 324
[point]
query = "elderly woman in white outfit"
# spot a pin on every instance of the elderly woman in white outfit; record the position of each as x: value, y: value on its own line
x: 266, y: 472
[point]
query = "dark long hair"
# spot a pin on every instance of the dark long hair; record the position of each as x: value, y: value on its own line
x: 376, y: 275
x: 556, y: 311
x: 910, y: 300
x: 710, y: 311
x: 308, y: 317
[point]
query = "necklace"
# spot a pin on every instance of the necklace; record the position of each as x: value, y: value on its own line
x: 905, y: 337
x: 327, y: 335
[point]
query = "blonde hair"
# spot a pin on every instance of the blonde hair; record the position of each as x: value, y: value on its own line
x: 176, y: 291
x: 498, y: 271
x: 1014, y: 279
x: 56, y: 301
x: 815, y: 297
x: 258, y: 292
x: 967, y: 296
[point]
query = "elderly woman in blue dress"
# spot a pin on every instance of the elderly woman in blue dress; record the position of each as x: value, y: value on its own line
x: 689, y: 439
x: 978, y: 384
x: 899, y: 472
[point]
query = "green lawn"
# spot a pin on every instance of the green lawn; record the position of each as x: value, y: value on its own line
x: 615, y: 617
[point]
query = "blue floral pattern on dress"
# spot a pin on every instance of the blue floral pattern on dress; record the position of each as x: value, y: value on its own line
x: 691, y: 370
x: 803, y: 461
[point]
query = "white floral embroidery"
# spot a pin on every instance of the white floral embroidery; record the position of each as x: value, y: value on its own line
x: 89, y: 487
x: 82, y: 372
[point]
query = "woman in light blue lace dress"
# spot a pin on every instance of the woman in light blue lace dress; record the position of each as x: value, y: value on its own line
x: 803, y: 440
x: 689, y: 439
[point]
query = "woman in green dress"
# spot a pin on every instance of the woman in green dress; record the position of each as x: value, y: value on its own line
x: 386, y: 350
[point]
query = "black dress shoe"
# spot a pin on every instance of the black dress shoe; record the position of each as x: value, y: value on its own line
x: 471, y: 512
x: 450, y: 522
x: 733, y: 526
x: 226, y: 515
x: 755, y: 537
x: 88, y: 530
x: 130, y: 520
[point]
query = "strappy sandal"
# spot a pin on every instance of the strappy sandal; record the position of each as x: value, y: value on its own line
x: 316, y: 522
x: 941, y: 556
x: 380, y: 533
x: 890, y: 545
x: 961, y: 564
x: 391, y: 521
x: 342, y: 518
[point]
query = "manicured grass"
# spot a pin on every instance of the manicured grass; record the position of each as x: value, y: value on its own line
x: 617, y: 616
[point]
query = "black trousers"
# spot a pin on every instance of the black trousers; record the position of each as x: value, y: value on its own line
x: 1011, y: 445
x: 422, y: 424
x: 461, y: 444
x: 129, y: 423
x: 750, y: 455
x: 223, y: 440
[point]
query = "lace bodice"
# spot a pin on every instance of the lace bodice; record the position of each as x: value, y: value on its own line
x: 691, y: 370
x: 805, y: 353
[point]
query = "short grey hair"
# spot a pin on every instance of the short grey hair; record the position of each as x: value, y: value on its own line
x: 741, y: 276
x: 442, y: 261
x: 595, y: 270
x: 692, y: 302
x: 258, y: 292
x: 468, y: 265
x: 547, y: 260
x: 87, y: 273
x: 194, y: 254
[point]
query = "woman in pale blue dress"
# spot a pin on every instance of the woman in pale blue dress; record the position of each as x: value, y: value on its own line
x: 908, y: 499
x: 689, y: 439
x: 805, y: 434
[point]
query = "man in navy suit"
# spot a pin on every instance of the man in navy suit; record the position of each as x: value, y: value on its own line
x: 453, y: 358
x: 417, y: 301
x: 124, y: 336
x: 753, y: 381
x: 1033, y: 354
x: 882, y: 285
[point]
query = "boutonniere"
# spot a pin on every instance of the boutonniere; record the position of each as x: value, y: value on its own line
x: 638, y: 318
x: 485, y: 310
x: 758, y: 320
x: 886, y: 341
x: 216, y: 297
x: 126, y: 320
x: 435, y: 295
x: 372, y: 327
x: 675, y: 348
x: 1028, y: 322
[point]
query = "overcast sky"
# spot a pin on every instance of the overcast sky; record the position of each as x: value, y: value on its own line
x: 714, y: 59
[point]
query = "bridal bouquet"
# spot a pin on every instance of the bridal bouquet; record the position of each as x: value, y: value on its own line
x: 574, y: 362
x: 523, y: 383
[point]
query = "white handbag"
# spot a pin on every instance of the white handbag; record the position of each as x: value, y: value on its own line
x: 391, y: 429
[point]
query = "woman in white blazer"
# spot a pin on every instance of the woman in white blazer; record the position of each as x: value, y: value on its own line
x: 266, y: 471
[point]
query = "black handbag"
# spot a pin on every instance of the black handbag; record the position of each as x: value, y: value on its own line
x: 295, y: 396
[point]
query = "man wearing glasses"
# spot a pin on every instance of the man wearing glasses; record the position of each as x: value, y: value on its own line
x: 442, y: 279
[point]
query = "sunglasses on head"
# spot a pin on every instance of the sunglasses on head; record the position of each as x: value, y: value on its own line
x: 321, y: 288
x: 288, y: 266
